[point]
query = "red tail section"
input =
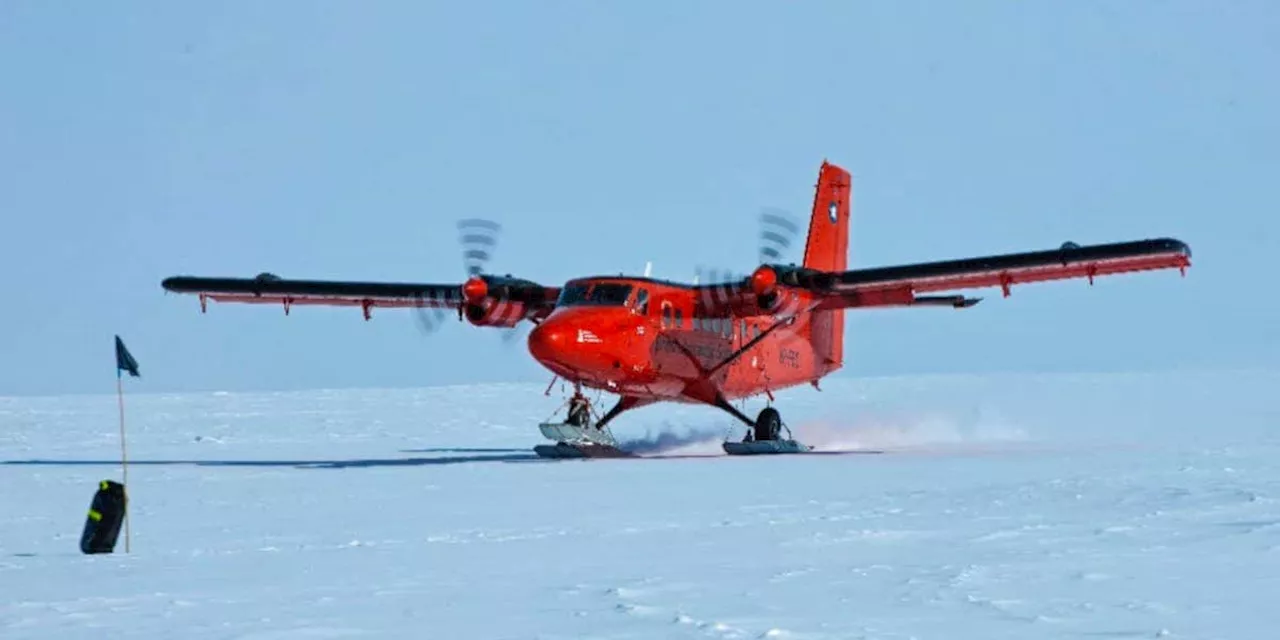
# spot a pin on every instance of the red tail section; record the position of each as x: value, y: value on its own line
x: 827, y: 249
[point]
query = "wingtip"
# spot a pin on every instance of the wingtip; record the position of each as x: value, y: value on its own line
x: 1178, y: 246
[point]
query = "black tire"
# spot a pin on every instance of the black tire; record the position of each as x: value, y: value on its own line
x: 768, y: 424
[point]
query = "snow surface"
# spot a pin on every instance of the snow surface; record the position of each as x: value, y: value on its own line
x: 1016, y: 506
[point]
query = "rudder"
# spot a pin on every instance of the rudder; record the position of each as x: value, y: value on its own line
x: 827, y: 249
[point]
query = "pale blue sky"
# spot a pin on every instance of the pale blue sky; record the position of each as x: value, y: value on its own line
x: 342, y: 140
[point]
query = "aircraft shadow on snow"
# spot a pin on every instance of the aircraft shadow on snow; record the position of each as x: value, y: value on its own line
x: 511, y: 458
x: 496, y: 455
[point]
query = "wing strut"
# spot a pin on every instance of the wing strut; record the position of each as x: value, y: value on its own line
x: 781, y: 322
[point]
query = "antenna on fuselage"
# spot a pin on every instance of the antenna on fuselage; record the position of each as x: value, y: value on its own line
x: 648, y: 268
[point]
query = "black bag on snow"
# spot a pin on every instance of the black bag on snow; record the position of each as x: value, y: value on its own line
x: 106, y: 513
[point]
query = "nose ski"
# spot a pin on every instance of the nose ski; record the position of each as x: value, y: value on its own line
x: 579, y: 435
x: 575, y: 441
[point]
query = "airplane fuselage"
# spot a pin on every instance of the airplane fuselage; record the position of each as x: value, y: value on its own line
x: 647, y: 338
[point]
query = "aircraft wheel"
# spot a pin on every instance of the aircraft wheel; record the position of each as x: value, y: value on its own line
x: 768, y: 424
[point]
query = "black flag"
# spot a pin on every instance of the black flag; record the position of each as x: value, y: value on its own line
x: 124, y: 360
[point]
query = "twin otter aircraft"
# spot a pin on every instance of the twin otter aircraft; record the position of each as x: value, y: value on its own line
x: 649, y: 341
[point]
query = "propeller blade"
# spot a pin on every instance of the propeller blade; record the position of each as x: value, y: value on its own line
x: 778, y: 229
x: 431, y: 312
x: 716, y: 285
x: 514, y: 335
x: 478, y: 238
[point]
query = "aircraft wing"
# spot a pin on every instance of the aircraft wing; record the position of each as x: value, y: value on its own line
x: 912, y: 284
x: 501, y: 301
x: 902, y: 285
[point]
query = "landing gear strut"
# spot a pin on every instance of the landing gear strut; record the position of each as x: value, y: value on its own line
x: 579, y: 436
x: 764, y: 435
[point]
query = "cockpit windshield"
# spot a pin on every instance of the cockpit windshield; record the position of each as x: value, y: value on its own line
x: 601, y: 294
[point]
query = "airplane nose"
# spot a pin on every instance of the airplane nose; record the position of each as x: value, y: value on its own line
x: 588, y: 344
x: 547, y: 341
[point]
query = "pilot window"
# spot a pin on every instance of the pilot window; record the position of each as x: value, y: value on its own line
x: 572, y: 295
x: 642, y: 302
x: 607, y: 294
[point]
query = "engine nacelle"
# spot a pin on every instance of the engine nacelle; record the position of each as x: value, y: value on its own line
x: 764, y: 284
x: 493, y: 312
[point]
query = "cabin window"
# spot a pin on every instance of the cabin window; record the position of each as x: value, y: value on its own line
x: 744, y: 330
x: 666, y: 315
x: 679, y: 318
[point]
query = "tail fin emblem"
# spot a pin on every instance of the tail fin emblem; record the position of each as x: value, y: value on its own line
x: 832, y: 211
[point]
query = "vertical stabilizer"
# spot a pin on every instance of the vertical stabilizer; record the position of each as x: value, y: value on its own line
x: 827, y: 249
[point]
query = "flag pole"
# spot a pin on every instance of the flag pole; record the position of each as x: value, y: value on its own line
x: 124, y: 457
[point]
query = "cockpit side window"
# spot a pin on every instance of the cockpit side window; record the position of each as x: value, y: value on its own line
x: 606, y: 294
x: 642, y: 302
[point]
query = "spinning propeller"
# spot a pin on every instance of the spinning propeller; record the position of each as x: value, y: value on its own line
x: 478, y: 238
x: 778, y: 231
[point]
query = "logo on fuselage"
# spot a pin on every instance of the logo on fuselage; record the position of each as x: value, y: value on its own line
x: 789, y: 358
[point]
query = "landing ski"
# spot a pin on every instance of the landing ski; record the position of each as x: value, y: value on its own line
x: 578, y: 441
x: 764, y: 447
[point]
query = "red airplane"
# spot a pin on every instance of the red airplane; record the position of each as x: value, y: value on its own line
x: 647, y: 340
